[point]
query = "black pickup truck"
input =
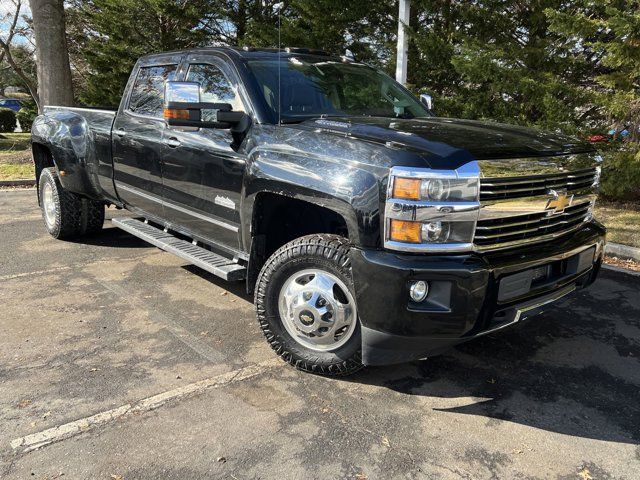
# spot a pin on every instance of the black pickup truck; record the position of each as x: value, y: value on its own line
x: 369, y: 230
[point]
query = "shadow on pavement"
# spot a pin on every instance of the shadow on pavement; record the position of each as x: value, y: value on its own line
x: 112, y: 237
x: 572, y: 370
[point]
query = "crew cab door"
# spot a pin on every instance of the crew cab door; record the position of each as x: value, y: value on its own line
x: 202, y: 174
x: 137, y: 139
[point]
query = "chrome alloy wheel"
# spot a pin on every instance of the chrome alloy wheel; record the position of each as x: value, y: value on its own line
x: 48, y: 205
x: 317, y: 309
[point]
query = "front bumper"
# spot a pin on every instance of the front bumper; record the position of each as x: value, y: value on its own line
x: 468, y: 297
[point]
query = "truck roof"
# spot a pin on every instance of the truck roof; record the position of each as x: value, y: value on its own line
x: 251, y: 52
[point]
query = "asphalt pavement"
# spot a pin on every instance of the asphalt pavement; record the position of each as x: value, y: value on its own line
x: 119, y: 361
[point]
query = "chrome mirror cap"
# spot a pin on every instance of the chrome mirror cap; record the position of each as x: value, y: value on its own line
x: 427, y: 100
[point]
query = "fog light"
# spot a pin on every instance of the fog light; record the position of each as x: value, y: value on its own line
x: 435, y: 232
x: 419, y: 291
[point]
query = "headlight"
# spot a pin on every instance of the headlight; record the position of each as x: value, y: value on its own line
x: 434, y: 189
x: 432, y: 210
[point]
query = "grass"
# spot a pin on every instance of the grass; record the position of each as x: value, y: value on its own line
x: 15, y: 156
x: 22, y: 171
x: 11, y: 142
x: 622, y: 222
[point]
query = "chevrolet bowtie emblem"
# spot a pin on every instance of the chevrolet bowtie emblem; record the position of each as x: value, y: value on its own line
x: 559, y: 201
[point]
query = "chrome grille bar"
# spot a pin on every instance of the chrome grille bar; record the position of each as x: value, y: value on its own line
x: 496, y: 188
x: 519, y: 228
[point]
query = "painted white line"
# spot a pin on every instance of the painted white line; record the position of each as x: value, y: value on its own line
x: 71, y: 429
x: 172, y: 325
x: 76, y: 266
x: 36, y: 272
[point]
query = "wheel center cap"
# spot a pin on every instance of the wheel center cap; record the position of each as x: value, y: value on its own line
x: 306, y: 317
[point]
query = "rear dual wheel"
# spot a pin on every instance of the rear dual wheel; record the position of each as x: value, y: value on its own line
x: 306, y: 305
x: 65, y: 214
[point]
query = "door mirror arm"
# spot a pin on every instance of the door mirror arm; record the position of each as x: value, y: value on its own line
x: 206, y: 115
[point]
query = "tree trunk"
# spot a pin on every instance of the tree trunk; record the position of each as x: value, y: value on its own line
x: 52, y: 57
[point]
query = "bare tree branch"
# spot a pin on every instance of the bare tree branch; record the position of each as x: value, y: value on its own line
x: 12, y: 29
x: 5, y: 53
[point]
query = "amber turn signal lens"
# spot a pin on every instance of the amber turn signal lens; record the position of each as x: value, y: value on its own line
x: 408, y: 232
x: 408, y: 188
x: 175, y: 114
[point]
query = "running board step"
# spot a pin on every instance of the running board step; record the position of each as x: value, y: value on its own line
x: 201, y: 257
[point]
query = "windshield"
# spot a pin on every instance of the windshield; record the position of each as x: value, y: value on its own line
x: 315, y: 87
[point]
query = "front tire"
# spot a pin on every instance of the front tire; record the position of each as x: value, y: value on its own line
x: 305, y: 304
x: 65, y: 214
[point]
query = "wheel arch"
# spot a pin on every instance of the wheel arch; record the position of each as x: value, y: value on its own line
x: 277, y: 219
x: 42, y: 158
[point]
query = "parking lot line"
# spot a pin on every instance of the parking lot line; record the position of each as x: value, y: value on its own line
x: 61, y: 432
x: 182, y: 334
x: 35, y: 272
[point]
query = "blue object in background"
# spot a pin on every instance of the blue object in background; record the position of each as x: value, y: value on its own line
x: 10, y: 103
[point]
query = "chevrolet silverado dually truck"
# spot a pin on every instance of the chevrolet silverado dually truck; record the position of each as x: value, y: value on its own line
x: 369, y: 231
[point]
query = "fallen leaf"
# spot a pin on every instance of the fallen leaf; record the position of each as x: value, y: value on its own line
x: 204, y: 334
x: 585, y: 474
x: 116, y: 477
x: 24, y: 403
x: 93, y: 370
x: 385, y: 442
x: 361, y: 476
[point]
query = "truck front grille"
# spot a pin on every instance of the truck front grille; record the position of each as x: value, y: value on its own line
x: 521, y: 228
x: 500, y: 188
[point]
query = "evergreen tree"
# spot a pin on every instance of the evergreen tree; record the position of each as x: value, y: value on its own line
x: 499, y: 59
x: 607, y: 35
x: 108, y: 36
x: 360, y: 26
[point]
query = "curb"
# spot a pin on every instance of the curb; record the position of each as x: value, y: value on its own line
x: 18, y: 183
x: 626, y: 271
x: 622, y: 251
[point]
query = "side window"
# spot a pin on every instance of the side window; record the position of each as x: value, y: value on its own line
x: 214, y: 86
x: 147, y: 94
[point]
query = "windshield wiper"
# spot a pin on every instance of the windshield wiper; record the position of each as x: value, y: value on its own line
x: 289, y: 120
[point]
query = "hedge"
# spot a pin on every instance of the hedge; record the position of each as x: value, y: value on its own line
x: 26, y: 115
x: 7, y: 120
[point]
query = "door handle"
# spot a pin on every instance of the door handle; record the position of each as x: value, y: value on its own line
x: 172, y: 142
x: 120, y: 133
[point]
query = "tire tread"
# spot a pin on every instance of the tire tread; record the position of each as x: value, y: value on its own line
x: 331, y: 247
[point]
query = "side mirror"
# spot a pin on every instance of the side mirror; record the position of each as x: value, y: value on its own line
x: 426, y: 100
x: 183, y: 108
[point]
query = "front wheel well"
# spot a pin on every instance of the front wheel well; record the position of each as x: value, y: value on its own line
x: 278, y: 219
x: 282, y: 219
x: 42, y: 159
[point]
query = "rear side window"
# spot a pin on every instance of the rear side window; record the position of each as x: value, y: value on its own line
x: 214, y: 86
x: 147, y: 95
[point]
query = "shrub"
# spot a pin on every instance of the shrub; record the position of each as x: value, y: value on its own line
x: 26, y: 115
x: 621, y: 173
x: 7, y: 120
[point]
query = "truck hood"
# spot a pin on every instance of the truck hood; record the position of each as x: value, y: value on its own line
x: 444, y: 138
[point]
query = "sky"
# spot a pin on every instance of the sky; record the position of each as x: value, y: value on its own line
x: 7, y: 9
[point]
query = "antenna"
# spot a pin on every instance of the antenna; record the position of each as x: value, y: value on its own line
x: 278, y: 7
